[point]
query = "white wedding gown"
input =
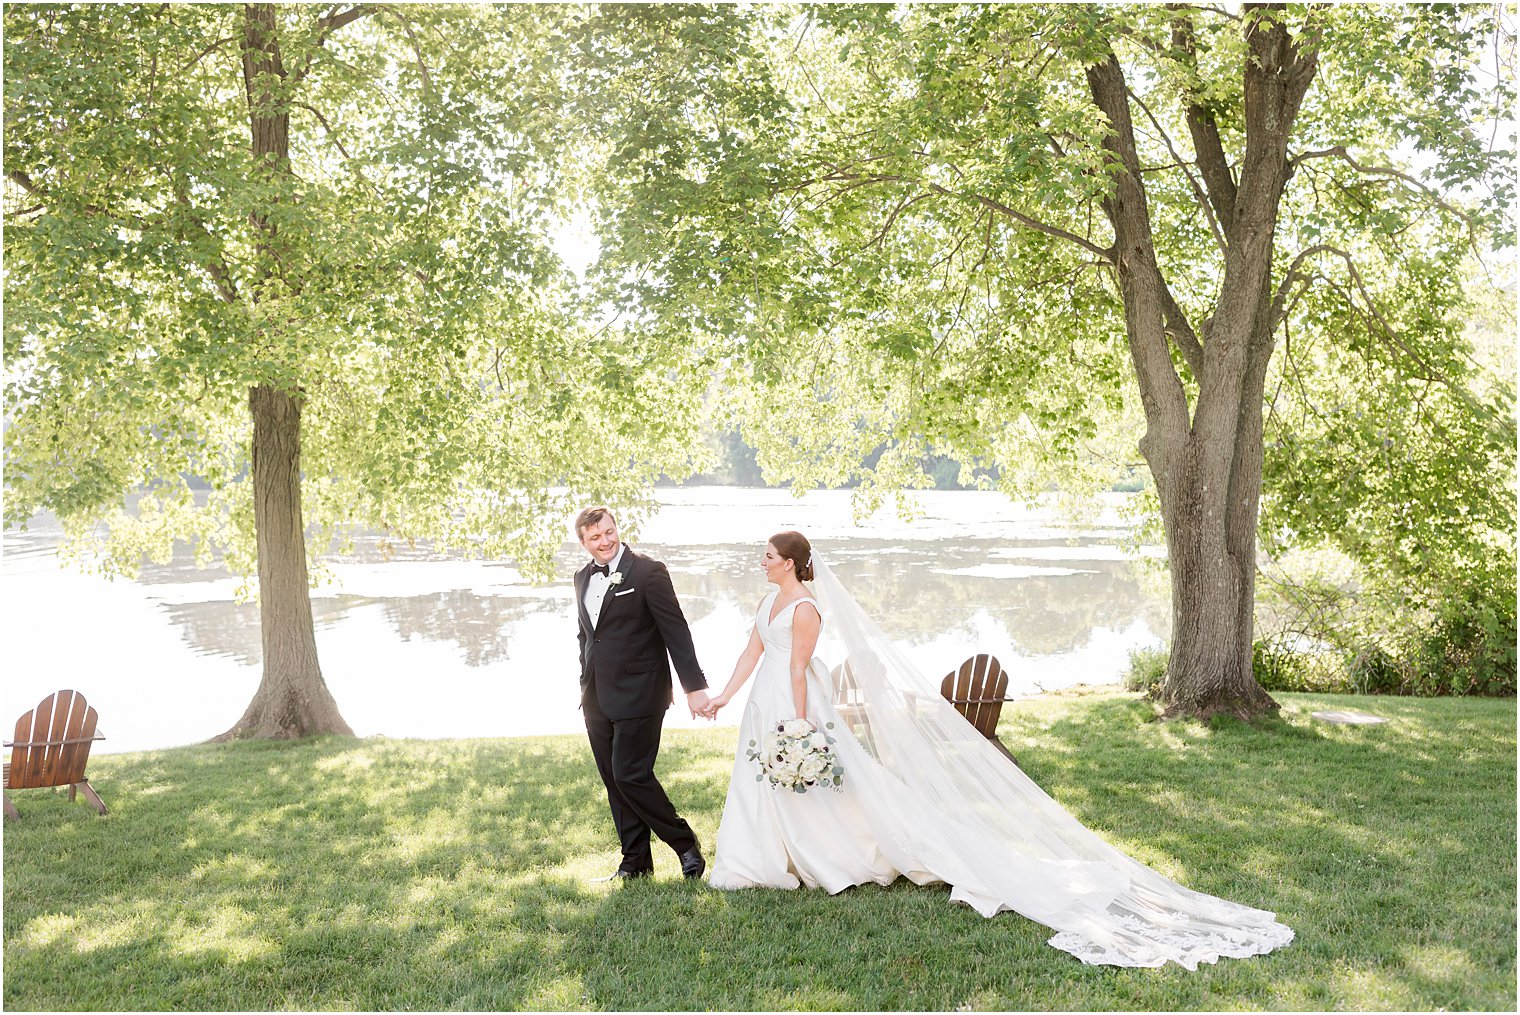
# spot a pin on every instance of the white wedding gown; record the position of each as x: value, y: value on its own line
x: 920, y: 800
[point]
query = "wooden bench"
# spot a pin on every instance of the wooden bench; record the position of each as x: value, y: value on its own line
x: 978, y: 690
x: 51, y: 747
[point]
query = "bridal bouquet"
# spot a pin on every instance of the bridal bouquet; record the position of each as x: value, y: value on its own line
x: 796, y: 755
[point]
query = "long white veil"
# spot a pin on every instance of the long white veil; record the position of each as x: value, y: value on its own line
x: 996, y: 837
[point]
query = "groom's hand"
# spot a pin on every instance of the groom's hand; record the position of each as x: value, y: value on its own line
x: 697, y: 702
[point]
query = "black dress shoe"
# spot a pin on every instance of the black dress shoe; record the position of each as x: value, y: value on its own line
x: 692, y: 862
x: 626, y: 875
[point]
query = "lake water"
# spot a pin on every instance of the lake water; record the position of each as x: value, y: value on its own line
x: 427, y: 645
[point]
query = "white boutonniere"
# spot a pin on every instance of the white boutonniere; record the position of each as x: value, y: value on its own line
x: 615, y: 578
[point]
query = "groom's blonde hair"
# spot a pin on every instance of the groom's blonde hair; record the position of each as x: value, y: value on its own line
x: 590, y: 517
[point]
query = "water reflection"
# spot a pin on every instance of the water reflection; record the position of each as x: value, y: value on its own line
x: 918, y: 595
x: 480, y: 627
x: 220, y: 627
x: 405, y: 633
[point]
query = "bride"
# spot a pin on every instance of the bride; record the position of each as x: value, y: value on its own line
x: 926, y: 797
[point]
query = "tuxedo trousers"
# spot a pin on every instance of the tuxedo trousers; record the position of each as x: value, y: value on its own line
x: 625, y: 751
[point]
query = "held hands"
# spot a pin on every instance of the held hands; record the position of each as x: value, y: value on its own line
x: 711, y: 709
x: 699, y: 704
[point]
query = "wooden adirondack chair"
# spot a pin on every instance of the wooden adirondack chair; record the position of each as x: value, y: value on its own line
x: 847, y: 697
x: 978, y: 690
x: 51, y: 746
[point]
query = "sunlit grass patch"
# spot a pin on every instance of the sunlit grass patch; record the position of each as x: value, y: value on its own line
x: 386, y: 874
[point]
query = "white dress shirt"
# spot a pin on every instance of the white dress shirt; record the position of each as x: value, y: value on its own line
x: 598, y: 584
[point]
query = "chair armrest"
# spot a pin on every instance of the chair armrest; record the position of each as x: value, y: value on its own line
x: 55, y: 743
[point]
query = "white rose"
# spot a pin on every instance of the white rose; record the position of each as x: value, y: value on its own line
x: 812, y: 768
x: 797, y: 727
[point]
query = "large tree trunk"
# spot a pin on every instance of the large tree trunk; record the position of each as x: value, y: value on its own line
x: 1213, y: 569
x: 1210, y: 672
x: 292, y: 699
x: 1207, y: 463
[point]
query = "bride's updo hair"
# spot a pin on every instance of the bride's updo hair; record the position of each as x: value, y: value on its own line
x: 794, y: 546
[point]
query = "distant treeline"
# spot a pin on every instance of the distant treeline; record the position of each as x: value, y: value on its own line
x: 738, y: 466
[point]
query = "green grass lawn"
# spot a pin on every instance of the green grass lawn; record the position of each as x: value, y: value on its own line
x: 385, y: 874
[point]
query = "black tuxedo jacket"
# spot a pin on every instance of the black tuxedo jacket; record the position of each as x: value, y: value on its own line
x: 627, y: 656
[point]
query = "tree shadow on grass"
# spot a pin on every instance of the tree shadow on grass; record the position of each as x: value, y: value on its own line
x: 1379, y: 845
x: 402, y: 874
x: 328, y: 872
x: 355, y: 859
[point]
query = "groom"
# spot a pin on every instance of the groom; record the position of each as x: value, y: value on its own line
x: 631, y: 628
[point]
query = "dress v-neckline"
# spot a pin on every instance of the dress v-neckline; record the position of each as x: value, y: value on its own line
x: 770, y: 617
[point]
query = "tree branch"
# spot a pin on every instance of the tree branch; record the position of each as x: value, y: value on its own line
x: 961, y: 242
x: 334, y: 21
x: 217, y: 269
x: 1147, y: 302
x: 217, y: 265
x: 1204, y: 128
x: 902, y: 205
x: 1279, y: 301
x: 1106, y: 253
x: 325, y: 126
x: 218, y: 44
x: 1389, y: 332
x: 23, y: 180
x: 406, y: 26
x: 1340, y: 152
x: 1182, y: 333
x: 330, y: 23
x: 807, y: 25
x: 1198, y: 194
x: 1222, y: 12
x: 863, y: 179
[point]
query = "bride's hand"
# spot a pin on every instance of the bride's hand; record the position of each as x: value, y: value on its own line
x: 713, y: 704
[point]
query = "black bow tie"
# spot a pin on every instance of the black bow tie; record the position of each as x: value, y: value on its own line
x: 600, y: 569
